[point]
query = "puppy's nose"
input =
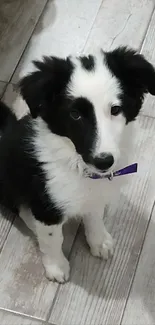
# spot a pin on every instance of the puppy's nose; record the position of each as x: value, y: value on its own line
x: 103, y: 161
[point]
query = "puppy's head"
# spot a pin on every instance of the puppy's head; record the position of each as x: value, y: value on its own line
x: 90, y: 99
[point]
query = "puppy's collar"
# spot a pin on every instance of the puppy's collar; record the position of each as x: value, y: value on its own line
x: 124, y: 171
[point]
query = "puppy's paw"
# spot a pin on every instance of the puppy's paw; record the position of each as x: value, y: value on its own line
x: 103, y: 248
x: 57, y: 269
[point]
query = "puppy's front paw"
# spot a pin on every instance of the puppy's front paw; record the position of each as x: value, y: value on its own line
x: 57, y: 269
x: 103, y: 248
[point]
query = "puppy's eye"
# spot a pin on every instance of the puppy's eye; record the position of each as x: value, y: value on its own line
x: 115, y: 110
x: 75, y: 115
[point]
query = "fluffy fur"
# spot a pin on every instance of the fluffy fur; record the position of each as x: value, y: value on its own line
x: 82, y: 112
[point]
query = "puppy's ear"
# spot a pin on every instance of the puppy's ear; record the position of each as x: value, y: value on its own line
x: 40, y: 88
x: 133, y: 70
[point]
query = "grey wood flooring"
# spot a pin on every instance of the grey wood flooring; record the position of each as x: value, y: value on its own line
x: 121, y: 291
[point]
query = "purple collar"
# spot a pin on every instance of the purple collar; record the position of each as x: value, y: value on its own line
x: 124, y: 171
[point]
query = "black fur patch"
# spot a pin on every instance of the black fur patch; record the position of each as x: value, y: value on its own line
x: 136, y: 77
x: 45, y: 93
x: 22, y: 180
x: 88, y: 62
x: 82, y: 132
x: 42, y: 87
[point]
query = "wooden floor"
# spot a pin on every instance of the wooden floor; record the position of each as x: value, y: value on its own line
x: 121, y: 291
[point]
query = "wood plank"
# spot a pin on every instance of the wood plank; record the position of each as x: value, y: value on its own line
x: 140, y: 308
x: 98, y: 291
x: 120, y: 23
x: 23, y: 286
x: 7, y: 318
x: 2, y: 88
x: 5, y: 227
x: 148, y: 49
x: 17, y: 21
x: 62, y: 29
x: 42, y: 296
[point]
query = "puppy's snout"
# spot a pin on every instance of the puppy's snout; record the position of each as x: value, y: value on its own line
x: 103, y: 161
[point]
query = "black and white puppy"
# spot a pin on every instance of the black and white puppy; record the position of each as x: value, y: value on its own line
x: 82, y: 113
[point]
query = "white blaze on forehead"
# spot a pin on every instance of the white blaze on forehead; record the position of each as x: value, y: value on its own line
x: 102, y: 89
x: 99, y: 86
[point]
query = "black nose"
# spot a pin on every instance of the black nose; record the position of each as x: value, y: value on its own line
x: 104, y: 161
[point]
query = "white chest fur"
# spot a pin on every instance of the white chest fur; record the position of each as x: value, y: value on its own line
x: 74, y: 193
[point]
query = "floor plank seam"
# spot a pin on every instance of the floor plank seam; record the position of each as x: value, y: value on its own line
x: 136, y: 266
x: 15, y: 313
x: 146, y: 31
x: 29, y: 39
x: 92, y: 26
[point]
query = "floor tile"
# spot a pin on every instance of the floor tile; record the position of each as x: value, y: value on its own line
x: 7, y: 318
x: 120, y: 23
x: 63, y: 29
x: 148, y: 49
x: 5, y: 227
x: 23, y: 286
x: 17, y: 21
x: 140, y: 307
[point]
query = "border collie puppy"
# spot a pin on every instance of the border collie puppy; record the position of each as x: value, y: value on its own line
x: 82, y: 113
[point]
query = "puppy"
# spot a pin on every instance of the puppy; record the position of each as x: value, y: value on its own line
x: 82, y: 113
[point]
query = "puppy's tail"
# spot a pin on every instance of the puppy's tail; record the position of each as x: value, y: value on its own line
x: 6, y: 116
